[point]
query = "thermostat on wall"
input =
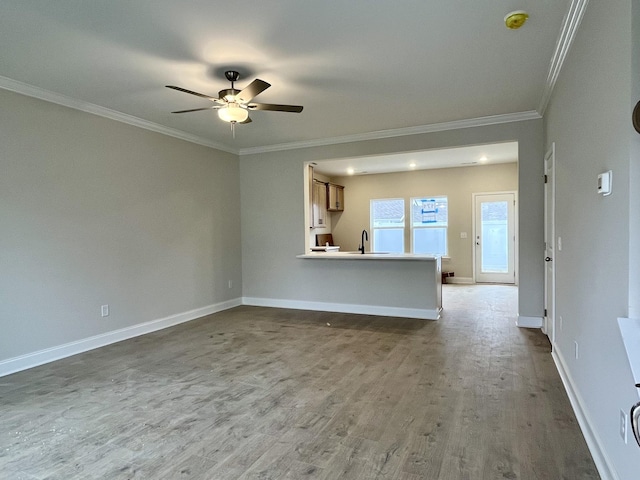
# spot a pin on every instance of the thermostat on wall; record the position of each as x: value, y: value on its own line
x: 604, y: 183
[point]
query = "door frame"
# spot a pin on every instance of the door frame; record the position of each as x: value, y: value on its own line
x: 515, y: 232
x: 549, y: 321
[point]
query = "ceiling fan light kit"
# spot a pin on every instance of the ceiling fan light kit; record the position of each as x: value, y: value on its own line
x: 514, y: 20
x: 233, y: 105
x: 233, y: 113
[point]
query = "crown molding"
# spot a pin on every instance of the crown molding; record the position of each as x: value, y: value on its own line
x: 59, y: 99
x: 398, y: 132
x: 565, y: 39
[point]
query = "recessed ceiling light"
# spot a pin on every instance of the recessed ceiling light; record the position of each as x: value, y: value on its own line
x: 350, y: 171
x: 483, y: 158
x: 412, y: 165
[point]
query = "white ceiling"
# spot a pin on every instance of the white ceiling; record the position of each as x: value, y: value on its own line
x: 357, y: 66
x: 476, y: 155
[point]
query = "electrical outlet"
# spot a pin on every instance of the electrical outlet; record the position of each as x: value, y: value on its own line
x: 576, y: 349
x: 230, y: 284
x: 623, y: 425
x: 104, y: 310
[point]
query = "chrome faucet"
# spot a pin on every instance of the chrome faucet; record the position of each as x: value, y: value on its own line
x: 365, y: 236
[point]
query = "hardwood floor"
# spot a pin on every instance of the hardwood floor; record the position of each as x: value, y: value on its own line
x: 258, y: 393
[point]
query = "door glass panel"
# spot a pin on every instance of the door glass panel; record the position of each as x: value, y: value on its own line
x: 495, y: 237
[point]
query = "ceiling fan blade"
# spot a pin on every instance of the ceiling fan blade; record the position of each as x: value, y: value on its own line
x: 275, y: 108
x: 254, y: 88
x: 191, y: 92
x: 214, y: 107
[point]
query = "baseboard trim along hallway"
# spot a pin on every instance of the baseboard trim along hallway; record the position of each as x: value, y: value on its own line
x: 529, y: 322
x: 34, y: 359
x: 423, y: 314
x: 600, y: 458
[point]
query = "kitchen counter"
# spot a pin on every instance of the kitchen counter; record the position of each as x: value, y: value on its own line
x: 389, y: 284
x: 367, y: 256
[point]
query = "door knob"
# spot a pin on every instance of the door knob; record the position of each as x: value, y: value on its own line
x: 547, y: 259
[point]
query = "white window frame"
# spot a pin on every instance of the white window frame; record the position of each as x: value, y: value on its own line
x: 435, y: 224
x: 400, y: 226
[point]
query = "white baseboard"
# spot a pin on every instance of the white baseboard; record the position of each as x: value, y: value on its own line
x: 600, y: 458
x: 30, y: 360
x: 529, y: 322
x: 424, y: 314
x: 460, y: 280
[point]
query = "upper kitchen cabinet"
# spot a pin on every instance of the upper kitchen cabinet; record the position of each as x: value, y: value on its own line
x: 319, y: 205
x: 335, y: 197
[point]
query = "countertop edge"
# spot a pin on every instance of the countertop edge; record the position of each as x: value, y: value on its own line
x: 367, y: 256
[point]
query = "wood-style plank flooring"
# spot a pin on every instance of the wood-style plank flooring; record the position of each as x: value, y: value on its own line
x: 259, y: 393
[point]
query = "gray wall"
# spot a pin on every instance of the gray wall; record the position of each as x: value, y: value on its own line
x: 634, y: 173
x: 272, y: 192
x: 96, y: 212
x: 589, y: 119
x: 458, y: 184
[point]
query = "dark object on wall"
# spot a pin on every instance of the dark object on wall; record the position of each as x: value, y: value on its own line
x: 635, y: 414
x: 635, y: 418
x: 636, y: 117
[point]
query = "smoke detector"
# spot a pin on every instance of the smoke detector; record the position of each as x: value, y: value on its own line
x: 516, y: 19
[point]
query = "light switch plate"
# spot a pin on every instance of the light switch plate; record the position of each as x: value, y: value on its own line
x: 605, y: 181
x: 623, y: 425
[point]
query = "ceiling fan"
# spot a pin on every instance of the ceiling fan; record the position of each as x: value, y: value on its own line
x: 233, y: 105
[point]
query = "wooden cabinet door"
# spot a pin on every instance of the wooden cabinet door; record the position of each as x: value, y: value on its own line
x: 319, y: 205
x: 335, y: 198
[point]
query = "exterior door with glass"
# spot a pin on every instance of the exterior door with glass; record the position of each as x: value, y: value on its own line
x: 495, y: 239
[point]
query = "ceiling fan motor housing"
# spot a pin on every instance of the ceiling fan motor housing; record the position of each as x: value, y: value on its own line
x: 228, y: 93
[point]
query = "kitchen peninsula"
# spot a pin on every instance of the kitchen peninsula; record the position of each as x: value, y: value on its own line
x: 388, y: 284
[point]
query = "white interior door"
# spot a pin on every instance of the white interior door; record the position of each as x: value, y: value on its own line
x: 550, y: 246
x: 495, y: 238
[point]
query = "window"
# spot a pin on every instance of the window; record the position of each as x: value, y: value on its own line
x: 387, y: 225
x: 429, y: 222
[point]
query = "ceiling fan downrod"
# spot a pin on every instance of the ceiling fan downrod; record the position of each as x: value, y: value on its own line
x: 232, y: 76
